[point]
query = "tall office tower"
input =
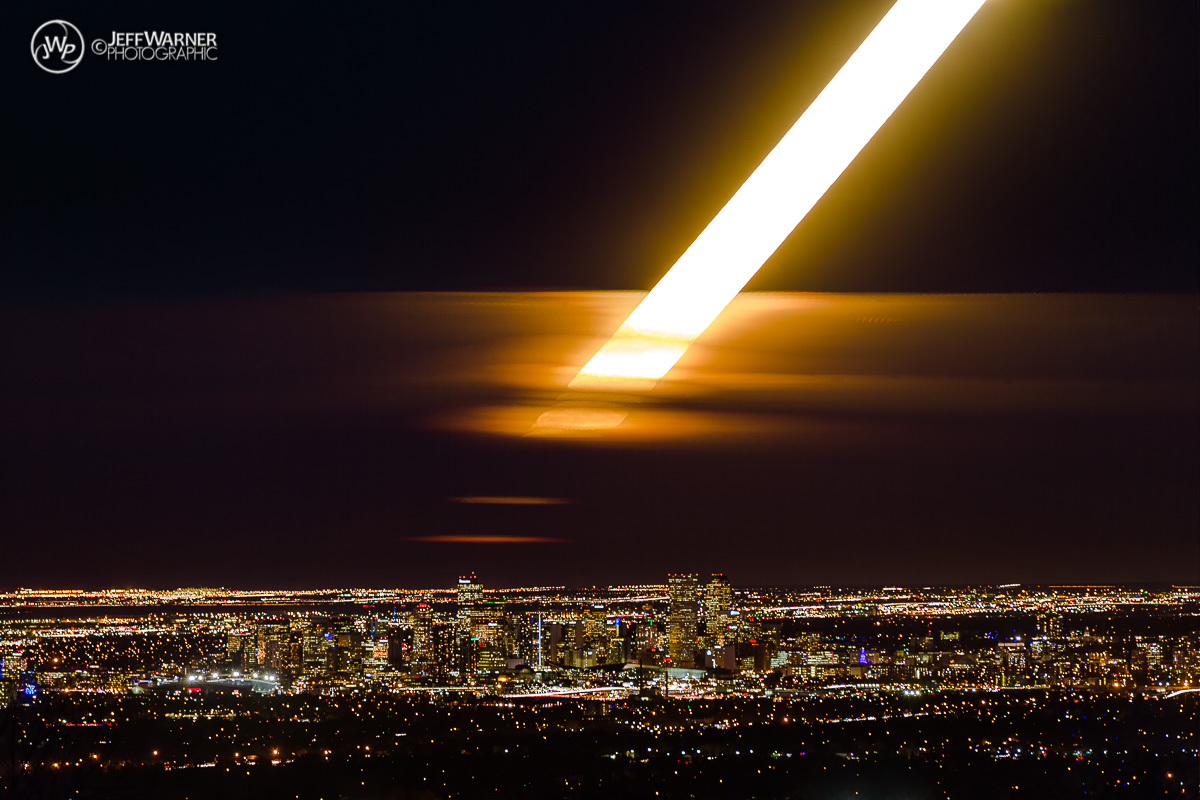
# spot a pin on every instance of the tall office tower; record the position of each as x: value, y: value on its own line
x: 468, y: 595
x: 490, y: 639
x: 314, y: 646
x: 683, y: 618
x: 541, y: 643
x: 423, y: 634
x: 445, y: 645
x: 615, y: 641
x: 577, y: 649
x: 529, y: 635
x: 718, y: 600
x: 295, y: 651
x: 595, y: 631
x: 345, y: 655
x: 645, y: 644
x: 554, y: 641
x: 273, y: 644
x: 242, y: 648
x: 12, y: 664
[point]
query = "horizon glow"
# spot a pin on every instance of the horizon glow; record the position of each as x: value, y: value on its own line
x: 826, y: 138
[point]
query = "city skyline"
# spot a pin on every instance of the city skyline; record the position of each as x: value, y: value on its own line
x: 344, y: 454
x: 696, y: 636
x: 299, y: 691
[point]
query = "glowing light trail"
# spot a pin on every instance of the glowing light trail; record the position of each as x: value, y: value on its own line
x: 781, y: 191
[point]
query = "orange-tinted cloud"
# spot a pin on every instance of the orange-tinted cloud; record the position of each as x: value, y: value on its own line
x: 474, y: 539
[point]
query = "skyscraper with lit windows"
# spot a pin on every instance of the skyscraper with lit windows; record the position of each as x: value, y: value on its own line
x: 423, y: 634
x: 272, y: 645
x: 683, y: 618
x: 468, y: 595
x: 718, y: 600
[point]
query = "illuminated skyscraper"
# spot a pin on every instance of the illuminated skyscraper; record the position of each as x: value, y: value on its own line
x: 490, y: 639
x: 242, y: 648
x: 683, y: 618
x: 315, y: 644
x: 12, y: 664
x: 646, y: 643
x: 596, y: 632
x: 526, y: 632
x: 344, y: 657
x: 718, y: 599
x: 272, y: 645
x: 468, y: 595
x: 423, y: 634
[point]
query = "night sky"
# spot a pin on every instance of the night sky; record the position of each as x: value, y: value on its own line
x: 192, y: 396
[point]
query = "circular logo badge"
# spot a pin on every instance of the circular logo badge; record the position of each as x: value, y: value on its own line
x: 57, y: 46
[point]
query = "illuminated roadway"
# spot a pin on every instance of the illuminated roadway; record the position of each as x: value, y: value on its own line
x: 570, y: 692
